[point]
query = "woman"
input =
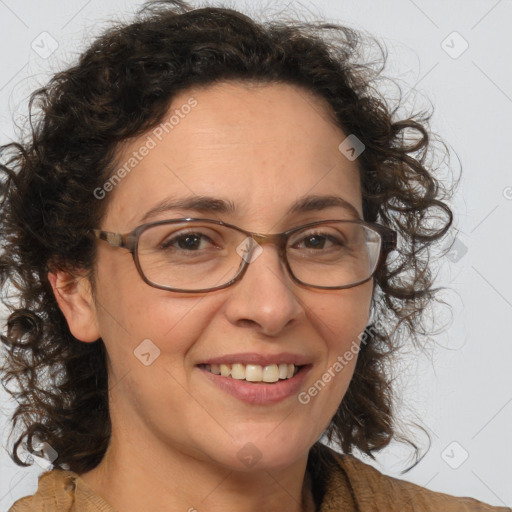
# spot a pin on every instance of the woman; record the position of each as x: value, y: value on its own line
x: 174, y: 355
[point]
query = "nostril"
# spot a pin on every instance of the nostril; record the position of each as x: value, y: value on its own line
x: 247, y: 322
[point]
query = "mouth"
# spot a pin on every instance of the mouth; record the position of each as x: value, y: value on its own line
x: 254, y: 373
x: 255, y: 384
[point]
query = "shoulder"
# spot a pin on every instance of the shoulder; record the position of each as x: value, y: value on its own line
x: 59, y: 490
x: 372, y: 490
x: 54, y: 493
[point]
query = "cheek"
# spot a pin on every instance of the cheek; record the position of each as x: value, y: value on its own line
x: 341, y: 317
x: 340, y: 323
x: 132, y: 312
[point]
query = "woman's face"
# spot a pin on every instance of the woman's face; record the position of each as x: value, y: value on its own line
x: 261, y: 149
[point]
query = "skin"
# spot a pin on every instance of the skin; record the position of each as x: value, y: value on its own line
x: 175, y: 436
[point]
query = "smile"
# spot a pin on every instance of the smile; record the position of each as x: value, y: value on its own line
x: 254, y: 372
x: 257, y: 392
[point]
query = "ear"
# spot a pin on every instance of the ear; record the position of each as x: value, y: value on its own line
x: 74, y: 296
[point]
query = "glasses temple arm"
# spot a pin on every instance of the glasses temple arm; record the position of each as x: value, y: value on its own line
x: 113, y: 239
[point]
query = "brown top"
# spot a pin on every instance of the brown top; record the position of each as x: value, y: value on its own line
x: 339, y: 483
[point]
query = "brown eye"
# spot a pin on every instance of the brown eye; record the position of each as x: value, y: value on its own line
x: 188, y: 241
x: 317, y: 241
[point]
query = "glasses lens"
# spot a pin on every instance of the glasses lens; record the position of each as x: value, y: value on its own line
x: 334, y: 254
x: 189, y: 255
x: 200, y: 255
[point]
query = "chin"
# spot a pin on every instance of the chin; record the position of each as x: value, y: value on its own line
x: 264, y: 451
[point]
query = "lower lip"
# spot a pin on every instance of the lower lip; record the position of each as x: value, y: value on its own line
x: 259, y: 393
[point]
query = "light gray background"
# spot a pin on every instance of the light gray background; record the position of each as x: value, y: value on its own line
x: 462, y: 391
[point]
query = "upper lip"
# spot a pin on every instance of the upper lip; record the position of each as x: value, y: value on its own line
x: 260, y: 359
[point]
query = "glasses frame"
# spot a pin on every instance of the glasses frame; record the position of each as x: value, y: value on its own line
x: 130, y: 241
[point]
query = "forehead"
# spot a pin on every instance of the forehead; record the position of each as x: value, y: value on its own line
x: 259, y: 147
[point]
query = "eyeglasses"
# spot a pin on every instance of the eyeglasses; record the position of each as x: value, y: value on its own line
x: 199, y: 255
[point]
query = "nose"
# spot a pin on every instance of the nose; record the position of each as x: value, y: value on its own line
x: 265, y: 298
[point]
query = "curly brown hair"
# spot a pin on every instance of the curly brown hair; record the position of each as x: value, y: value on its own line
x: 121, y: 87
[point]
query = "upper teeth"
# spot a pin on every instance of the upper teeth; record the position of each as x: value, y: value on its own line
x: 254, y: 372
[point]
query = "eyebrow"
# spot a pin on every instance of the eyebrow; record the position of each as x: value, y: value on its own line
x: 206, y: 204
